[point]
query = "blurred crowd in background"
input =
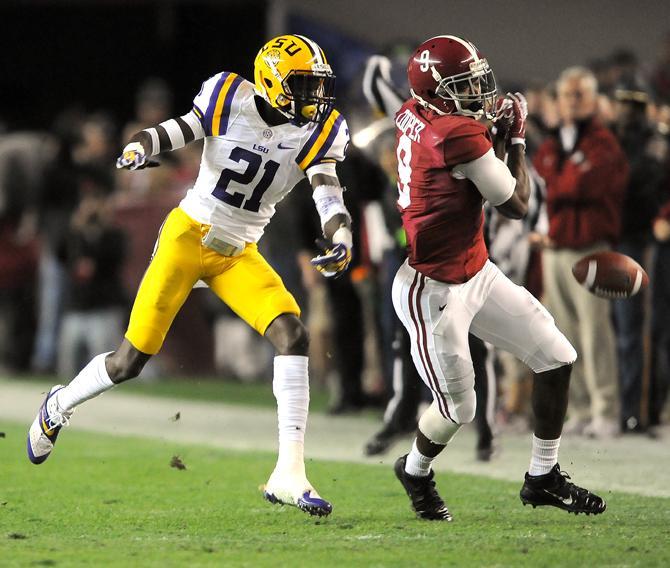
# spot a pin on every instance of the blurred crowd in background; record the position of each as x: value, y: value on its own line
x: 76, y: 236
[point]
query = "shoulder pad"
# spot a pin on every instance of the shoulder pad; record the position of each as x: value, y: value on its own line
x: 214, y: 102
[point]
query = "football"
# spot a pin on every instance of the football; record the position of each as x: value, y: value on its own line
x: 610, y: 275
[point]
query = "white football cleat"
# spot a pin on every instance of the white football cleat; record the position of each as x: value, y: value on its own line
x: 297, y: 492
x: 46, y: 426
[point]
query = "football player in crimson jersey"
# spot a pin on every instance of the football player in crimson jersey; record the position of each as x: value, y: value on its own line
x: 447, y: 167
x: 261, y: 139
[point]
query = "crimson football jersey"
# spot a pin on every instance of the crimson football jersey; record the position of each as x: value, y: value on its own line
x: 442, y: 215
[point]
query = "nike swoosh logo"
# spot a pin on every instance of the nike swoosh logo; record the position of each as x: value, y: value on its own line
x: 285, y: 147
x: 440, y: 308
x: 565, y: 500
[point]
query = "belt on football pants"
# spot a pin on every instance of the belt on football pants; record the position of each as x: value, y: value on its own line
x: 223, y: 247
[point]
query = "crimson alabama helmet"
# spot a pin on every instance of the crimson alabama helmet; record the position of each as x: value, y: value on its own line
x: 449, y: 75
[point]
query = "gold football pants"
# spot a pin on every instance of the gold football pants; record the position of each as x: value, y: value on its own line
x: 246, y: 283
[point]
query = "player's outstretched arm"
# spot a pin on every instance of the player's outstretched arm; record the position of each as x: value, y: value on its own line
x: 336, y: 224
x: 172, y: 134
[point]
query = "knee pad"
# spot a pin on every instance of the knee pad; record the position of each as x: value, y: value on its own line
x: 554, y: 348
x: 564, y: 352
x: 465, y: 404
x: 461, y: 394
x: 554, y: 353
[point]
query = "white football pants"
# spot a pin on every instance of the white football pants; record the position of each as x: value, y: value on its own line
x: 438, y: 317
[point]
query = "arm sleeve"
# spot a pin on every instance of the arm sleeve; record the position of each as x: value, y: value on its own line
x: 491, y: 176
x: 174, y: 133
x: 325, y: 168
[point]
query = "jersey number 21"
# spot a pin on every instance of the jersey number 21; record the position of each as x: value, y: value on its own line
x: 254, y: 162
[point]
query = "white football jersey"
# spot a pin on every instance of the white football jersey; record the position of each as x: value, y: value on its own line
x: 248, y: 166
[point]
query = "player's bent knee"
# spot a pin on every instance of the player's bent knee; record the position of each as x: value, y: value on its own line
x: 553, y: 348
x: 462, y: 392
x: 464, y: 406
x: 288, y: 335
x: 434, y: 426
x: 122, y: 368
x: 557, y: 353
x: 565, y: 353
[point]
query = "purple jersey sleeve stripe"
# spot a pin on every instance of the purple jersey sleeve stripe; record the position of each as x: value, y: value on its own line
x: 199, y: 113
x: 227, y: 103
x: 209, y: 114
x: 328, y: 143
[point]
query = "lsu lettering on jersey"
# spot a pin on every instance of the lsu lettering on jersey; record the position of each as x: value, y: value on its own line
x: 442, y: 214
x: 248, y: 166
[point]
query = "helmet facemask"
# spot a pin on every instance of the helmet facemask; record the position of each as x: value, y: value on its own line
x: 473, y: 92
x: 311, y: 95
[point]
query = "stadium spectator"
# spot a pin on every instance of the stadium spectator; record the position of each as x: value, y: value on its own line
x: 95, y: 301
x: 153, y: 105
x: 56, y: 200
x: 639, y: 141
x: 660, y: 77
x: 94, y: 153
x: 585, y: 172
x: 22, y: 159
x: 660, y: 374
x: 542, y: 115
x: 623, y: 69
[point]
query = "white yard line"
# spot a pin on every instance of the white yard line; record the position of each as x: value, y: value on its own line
x: 633, y: 464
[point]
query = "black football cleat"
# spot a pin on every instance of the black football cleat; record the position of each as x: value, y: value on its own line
x: 426, y: 501
x: 554, y: 489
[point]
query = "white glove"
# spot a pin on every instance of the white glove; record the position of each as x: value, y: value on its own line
x: 133, y: 157
x: 336, y: 255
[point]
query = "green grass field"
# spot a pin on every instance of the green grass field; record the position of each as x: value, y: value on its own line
x: 103, y: 500
x: 210, y: 389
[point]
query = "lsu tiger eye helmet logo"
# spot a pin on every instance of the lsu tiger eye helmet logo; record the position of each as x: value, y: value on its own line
x: 292, y: 74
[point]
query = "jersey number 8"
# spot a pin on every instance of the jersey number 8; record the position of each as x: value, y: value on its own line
x: 404, y: 154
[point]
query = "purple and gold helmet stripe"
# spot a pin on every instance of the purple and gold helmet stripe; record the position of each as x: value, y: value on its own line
x: 320, y: 139
x: 313, y: 48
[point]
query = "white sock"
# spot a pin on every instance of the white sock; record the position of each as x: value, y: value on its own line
x: 417, y: 464
x: 544, y: 456
x: 291, y: 389
x: 91, y: 381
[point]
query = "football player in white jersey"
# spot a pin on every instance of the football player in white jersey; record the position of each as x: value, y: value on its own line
x: 261, y: 138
